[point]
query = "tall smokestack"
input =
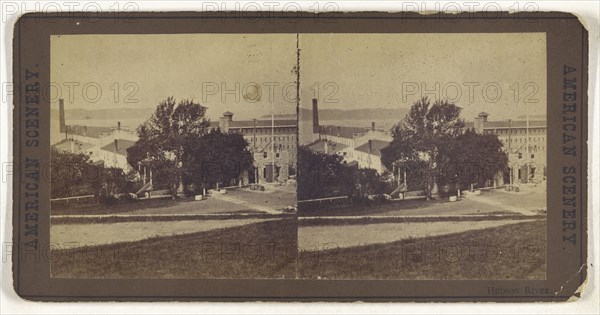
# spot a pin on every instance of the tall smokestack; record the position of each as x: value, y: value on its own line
x: 315, y: 112
x: 61, y: 115
x: 118, y: 125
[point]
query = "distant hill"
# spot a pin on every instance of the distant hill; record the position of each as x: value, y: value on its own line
x: 110, y: 113
x: 349, y: 114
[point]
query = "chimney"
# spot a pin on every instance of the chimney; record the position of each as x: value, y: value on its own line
x: 370, y: 146
x: 373, y: 126
x: 85, y: 131
x: 228, y: 116
x: 224, y: 124
x: 118, y: 125
x: 483, y: 116
x: 61, y: 115
x: 478, y: 125
x: 116, y: 145
x: 315, y: 113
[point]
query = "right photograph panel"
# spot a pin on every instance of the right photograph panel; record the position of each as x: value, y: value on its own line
x: 422, y: 156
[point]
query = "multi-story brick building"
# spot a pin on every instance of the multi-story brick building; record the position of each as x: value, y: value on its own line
x: 524, y: 142
x: 272, y: 142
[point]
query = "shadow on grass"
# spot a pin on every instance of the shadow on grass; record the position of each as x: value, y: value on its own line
x: 408, y: 219
x: 259, y: 250
x: 515, y: 251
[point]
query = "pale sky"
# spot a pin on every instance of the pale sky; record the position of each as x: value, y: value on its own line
x: 372, y: 70
x: 364, y: 70
x: 179, y: 65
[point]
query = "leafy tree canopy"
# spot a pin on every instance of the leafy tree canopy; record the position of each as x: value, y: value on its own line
x: 177, y: 143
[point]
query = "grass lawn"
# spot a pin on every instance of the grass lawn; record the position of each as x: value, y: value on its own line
x: 366, y: 209
x: 259, y: 250
x: 90, y: 219
x: 154, y: 206
x: 120, y: 207
x: 337, y: 221
x: 516, y: 251
x: 276, y: 199
x: 491, y: 202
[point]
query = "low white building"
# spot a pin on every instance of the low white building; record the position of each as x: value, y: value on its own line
x: 358, y: 145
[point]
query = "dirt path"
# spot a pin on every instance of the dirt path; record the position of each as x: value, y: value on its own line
x: 79, y: 235
x: 245, y: 203
x: 331, y: 236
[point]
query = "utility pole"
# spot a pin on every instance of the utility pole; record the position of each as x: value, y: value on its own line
x: 510, y: 172
x: 254, y: 152
x: 272, y: 143
x: 528, y: 153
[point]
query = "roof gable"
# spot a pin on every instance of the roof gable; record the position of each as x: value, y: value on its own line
x: 376, y: 146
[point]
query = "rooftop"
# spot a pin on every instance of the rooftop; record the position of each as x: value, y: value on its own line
x: 89, y: 131
x: 79, y: 146
x: 319, y: 146
x: 376, y: 146
x: 259, y: 123
x: 513, y: 124
x: 343, y: 131
x: 122, y: 144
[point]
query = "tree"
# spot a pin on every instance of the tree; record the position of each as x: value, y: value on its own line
x: 217, y: 157
x: 72, y: 174
x: 368, y: 182
x: 167, y: 138
x: 471, y: 158
x: 421, y: 135
x: 323, y: 175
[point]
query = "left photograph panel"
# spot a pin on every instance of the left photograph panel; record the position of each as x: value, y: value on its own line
x: 174, y: 156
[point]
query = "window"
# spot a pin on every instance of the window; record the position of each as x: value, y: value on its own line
x: 520, y: 155
x: 265, y: 155
x: 533, y: 156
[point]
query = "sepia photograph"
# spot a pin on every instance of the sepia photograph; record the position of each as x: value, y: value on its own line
x: 300, y: 157
x: 422, y: 156
x: 173, y: 156
x: 413, y: 156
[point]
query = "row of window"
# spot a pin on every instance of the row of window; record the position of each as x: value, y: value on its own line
x: 521, y: 156
x: 263, y: 130
x: 266, y: 155
x: 516, y: 131
x: 344, y: 141
x: 535, y: 148
x: 523, y: 140
x: 268, y: 139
